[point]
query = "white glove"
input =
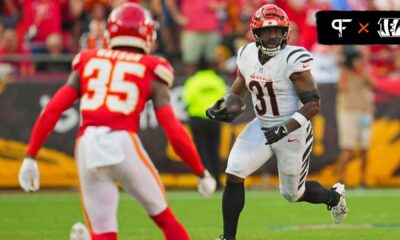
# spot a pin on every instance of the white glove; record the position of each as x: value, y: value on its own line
x: 29, y: 175
x: 79, y: 232
x: 207, y: 185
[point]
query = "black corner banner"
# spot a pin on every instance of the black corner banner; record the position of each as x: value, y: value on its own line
x: 358, y: 27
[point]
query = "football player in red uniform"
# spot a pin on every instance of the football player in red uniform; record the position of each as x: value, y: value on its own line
x: 113, y: 86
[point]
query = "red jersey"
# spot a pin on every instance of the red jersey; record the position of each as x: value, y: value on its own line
x: 115, y: 85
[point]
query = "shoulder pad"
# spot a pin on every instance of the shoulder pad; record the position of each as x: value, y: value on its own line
x: 162, y: 69
x: 299, y: 55
x: 241, y: 50
x: 81, y: 58
x: 299, y: 59
x: 76, y: 61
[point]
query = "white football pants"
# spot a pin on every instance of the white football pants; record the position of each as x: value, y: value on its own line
x: 292, y: 152
x: 136, y: 174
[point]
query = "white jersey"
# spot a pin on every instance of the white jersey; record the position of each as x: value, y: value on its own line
x: 273, y: 94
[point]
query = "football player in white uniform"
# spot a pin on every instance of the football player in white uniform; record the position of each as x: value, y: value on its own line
x: 285, y: 98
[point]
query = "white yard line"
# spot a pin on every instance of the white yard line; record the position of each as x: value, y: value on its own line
x: 333, y: 226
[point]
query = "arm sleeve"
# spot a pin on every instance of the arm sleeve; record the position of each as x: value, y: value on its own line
x: 179, y: 139
x: 48, y: 118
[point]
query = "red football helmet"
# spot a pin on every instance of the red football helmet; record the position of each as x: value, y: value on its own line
x: 270, y: 18
x: 131, y: 25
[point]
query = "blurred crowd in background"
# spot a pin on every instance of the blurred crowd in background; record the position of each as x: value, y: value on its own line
x: 39, y: 38
x: 43, y: 35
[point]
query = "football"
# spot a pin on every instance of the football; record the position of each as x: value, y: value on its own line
x: 233, y: 104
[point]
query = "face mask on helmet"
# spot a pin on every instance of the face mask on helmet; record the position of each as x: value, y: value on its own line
x: 270, y: 27
x: 271, y: 39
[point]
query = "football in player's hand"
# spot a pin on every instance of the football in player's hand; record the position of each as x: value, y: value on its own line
x: 233, y: 104
x: 226, y: 109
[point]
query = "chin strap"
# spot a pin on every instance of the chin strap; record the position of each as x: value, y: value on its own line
x: 273, y: 51
x: 267, y: 52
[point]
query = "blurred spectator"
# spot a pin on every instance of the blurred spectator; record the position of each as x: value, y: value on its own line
x: 97, y: 25
x: 308, y: 32
x: 222, y: 62
x: 341, y: 5
x: 170, y: 34
x: 239, y: 9
x: 233, y: 11
x: 89, y: 4
x: 117, y: 3
x: 294, y: 34
x: 41, y: 19
x: 201, y: 90
x: 394, y: 75
x: 355, y: 5
x: 77, y: 20
x: 387, y: 89
x: 381, y: 60
x: 154, y: 6
x: 355, y: 109
x: 55, y: 51
x: 10, y: 47
x: 393, y: 5
x: 297, y: 12
x: 76, y: 7
x: 200, y: 34
x: 68, y: 22
x: 249, y: 7
x: 325, y: 65
x: 226, y: 53
x: 10, y: 12
x: 239, y: 37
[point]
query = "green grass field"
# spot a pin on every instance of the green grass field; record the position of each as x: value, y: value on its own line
x: 374, y: 215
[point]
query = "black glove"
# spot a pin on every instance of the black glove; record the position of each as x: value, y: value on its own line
x: 275, y: 134
x: 226, y: 109
x: 218, y: 113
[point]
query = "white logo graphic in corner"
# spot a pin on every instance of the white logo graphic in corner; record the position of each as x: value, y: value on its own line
x: 389, y: 27
x: 337, y: 24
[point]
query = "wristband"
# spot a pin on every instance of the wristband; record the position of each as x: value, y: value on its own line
x: 300, y: 118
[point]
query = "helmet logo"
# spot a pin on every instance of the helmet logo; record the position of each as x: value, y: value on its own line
x: 142, y: 30
x: 271, y: 22
x: 114, y: 28
x: 131, y: 25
